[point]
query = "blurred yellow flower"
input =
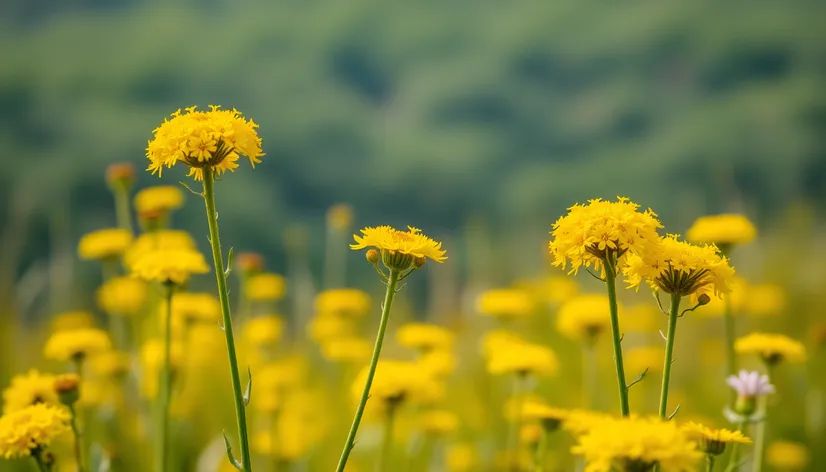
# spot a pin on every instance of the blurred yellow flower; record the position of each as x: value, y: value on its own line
x: 28, y: 389
x: 637, y: 359
x: 591, y: 233
x: 580, y: 421
x: 522, y: 358
x: 530, y: 433
x: 158, y: 200
x: 195, y: 307
x: 348, y: 350
x: 264, y: 330
x: 637, y: 444
x: 397, y: 381
x: 340, y: 216
x: 72, y: 320
x: 713, y: 441
x: 169, y: 266
x: 680, y: 268
x: 772, y: 348
x: 439, y: 422
x: 76, y: 345
x: 787, y: 456
x: 497, y: 339
x: 110, y: 364
x: 438, y: 362
x: 535, y: 410
x: 34, y: 427
x: 265, y: 287
x: 125, y: 296
x: 104, y: 244
x: 505, y: 303
x: 584, y: 317
x: 461, y: 457
x: 275, y: 380
x: 204, y: 140
x: 641, y: 318
x: 323, y: 328
x: 161, y: 240
x: 424, y: 337
x: 342, y: 302
x: 152, y: 359
x: 399, y: 249
x: 765, y: 300
x: 559, y: 288
x: 725, y: 229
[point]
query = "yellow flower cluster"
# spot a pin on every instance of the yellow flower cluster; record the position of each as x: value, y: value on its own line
x: 723, y: 230
x: 520, y: 357
x: 424, y: 337
x: 263, y: 330
x: 584, y: 317
x: 772, y: 348
x: 637, y: 444
x: 123, y: 296
x: 156, y: 202
x: 28, y: 389
x: 346, y: 302
x: 104, y: 244
x: 399, y: 249
x: 350, y: 349
x: 33, y: 427
x: 505, y: 303
x: 211, y: 140
x: 681, y: 268
x: 713, y: 441
x: 162, y: 240
x: 173, y: 266
x: 397, y: 381
x: 70, y: 320
x: 593, y: 233
x: 265, y: 287
x: 77, y: 345
x: 196, y: 307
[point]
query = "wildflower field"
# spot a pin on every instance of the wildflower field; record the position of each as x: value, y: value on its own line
x: 633, y: 349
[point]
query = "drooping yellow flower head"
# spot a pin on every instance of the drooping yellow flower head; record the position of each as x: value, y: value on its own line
x: 342, y: 302
x: 584, y: 317
x: 505, y: 303
x: 787, y: 456
x: 265, y: 287
x: 713, y: 441
x: 33, y: 427
x: 162, y: 240
x: 76, y: 345
x: 204, y: 140
x: 439, y: 422
x: 523, y: 358
x: 158, y: 200
x: 351, y: 350
x: 723, y: 230
x: 400, y: 249
x: 397, y: 381
x: 592, y: 233
x: 772, y: 348
x: 637, y: 444
x: 424, y: 337
x: 681, y: 268
x: 263, y: 330
x: 637, y: 359
x: 171, y: 266
x: 124, y: 296
x: 104, y: 244
x: 28, y: 389
x: 71, y: 320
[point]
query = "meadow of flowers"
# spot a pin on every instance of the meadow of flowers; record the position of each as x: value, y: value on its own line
x: 636, y: 350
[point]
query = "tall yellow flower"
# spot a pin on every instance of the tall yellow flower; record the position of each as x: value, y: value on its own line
x: 424, y: 337
x: 600, y: 230
x: 505, y: 303
x: 263, y: 330
x: 31, y: 429
x: 584, y: 317
x: 196, y: 307
x: 161, y: 240
x: 522, y: 358
x: 352, y: 350
x: 722, y: 230
x: 400, y: 249
x: 204, y: 140
x: 125, y: 296
x: 713, y: 441
x: 104, y: 244
x: 772, y: 348
x: 265, y: 287
x: 158, y: 200
x: 342, y: 302
x: 28, y: 389
x: 398, y: 381
x: 173, y: 266
x: 76, y: 345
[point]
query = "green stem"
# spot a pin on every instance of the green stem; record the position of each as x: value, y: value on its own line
x: 669, y: 353
x: 709, y: 463
x: 760, y: 435
x: 610, y: 281
x: 512, y: 445
x: 218, y: 261
x: 40, y: 465
x: 78, y: 449
x: 541, y: 451
x: 734, y: 458
x: 123, y: 212
x: 392, y: 281
x: 385, y: 459
x: 162, y: 455
x: 731, y: 357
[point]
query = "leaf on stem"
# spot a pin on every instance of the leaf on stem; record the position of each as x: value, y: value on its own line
x: 230, y: 259
x: 248, y: 390
x: 672, y: 415
x: 232, y: 460
x: 638, y: 379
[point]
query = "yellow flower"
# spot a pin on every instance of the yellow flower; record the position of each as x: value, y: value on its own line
x: 681, y: 268
x: 173, y: 266
x: 787, y: 456
x: 439, y: 422
x: 522, y: 358
x: 72, y: 320
x: 637, y: 359
x: 323, y: 328
x: 264, y: 330
x: 579, y: 422
x: 349, y: 349
x: 534, y: 410
x: 161, y: 240
x: 438, y: 362
x: 584, y: 317
x: 424, y: 336
x: 340, y: 216
x: 76, y: 345
x: 772, y: 348
x: 342, y: 302
x: 498, y: 339
x: 276, y: 379
x: 158, y: 200
x: 300, y: 425
x: 593, y: 233
x: 637, y: 444
x: 764, y: 300
x: 31, y: 428
x: 152, y: 357
x: 110, y: 364
x: 400, y: 249
x: 204, y: 140
x: 28, y: 389
x: 397, y: 381
x: 461, y: 457
x: 265, y: 287
x: 713, y: 441
x: 123, y: 296
x: 505, y: 303
x: 104, y: 244
x: 195, y: 307
x: 725, y: 229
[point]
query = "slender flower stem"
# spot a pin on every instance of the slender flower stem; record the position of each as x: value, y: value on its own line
x: 40, y: 465
x: 123, y: 212
x: 731, y: 357
x: 392, y: 281
x: 78, y: 449
x: 385, y: 459
x: 709, y: 463
x: 541, y: 451
x: 669, y: 353
x: 610, y: 282
x: 513, y: 428
x: 218, y: 261
x: 162, y: 453
x: 760, y: 434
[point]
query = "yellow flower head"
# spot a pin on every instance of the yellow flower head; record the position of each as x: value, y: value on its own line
x: 593, y: 233
x: 77, y: 345
x: 397, y: 381
x: 340, y: 216
x: 342, y: 302
x: 33, y: 427
x: 424, y: 337
x: 584, y: 317
x: 28, y: 389
x: 323, y: 328
x: 787, y: 456
x: 104, y: 244
x: 351, y: 350
x: 195, y: 307
x: 161, y: 240
x: 498, y: 339
x: 72, y: 320
x: 264, y: 330
x: 549, y: 417
x: 400, y: 250
x: 713, y: 441
x: 204, y: 140
x: 265, y: 287
x: 522, y: 358
x: 439, y: 422
x: 505, y: 303
x: 772, y: 348
x: 110, y: 364
x: 637, y: 444
x: 723, y: 230
x: 637, y: 359
x: 461, y: 457
x: 124, y: 296
x: 173, y: 266
x: 438, y: 362
x: 158, y: 200
x: 579, y: 422
x: 681, y: 268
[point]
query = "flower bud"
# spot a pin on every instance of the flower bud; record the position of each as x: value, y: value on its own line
x: 703, y: 299
x: 250, y: 262
x: 120, y: 175
x: 373, y: 256
x: 67, y: 387
x: 745, y: 405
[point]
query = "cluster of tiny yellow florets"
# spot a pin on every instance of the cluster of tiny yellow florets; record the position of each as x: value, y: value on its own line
x: 772, y: 348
